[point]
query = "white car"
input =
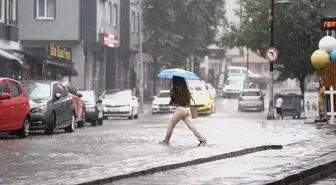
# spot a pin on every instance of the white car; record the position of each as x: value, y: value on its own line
x: 161, y: 101
x: 241, y: 71
x: 234, y: 86
x: 120, y: 104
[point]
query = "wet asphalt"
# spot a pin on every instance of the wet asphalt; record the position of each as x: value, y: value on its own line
x: 121, y: 146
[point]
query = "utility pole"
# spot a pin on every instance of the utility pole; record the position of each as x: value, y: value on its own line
x: 142, y: 67
x: 271, y: 65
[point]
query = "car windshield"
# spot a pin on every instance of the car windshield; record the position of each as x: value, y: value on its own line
x: 233, y: 82
x: 251, y: 93
x: 37, y: 90
x: 88, y: 96
x: 121, y: 95
x: 163, y: 95
x: 196, y: 85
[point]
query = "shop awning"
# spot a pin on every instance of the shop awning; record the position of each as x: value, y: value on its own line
x: 11, y: 57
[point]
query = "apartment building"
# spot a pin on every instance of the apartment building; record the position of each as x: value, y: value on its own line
x: 87, y: 30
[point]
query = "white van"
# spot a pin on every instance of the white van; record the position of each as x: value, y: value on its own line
x: 241, y: 71
x: 233, y: 86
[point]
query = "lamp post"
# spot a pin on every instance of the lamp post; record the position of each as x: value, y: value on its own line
x: 142, y: 67
x: 271, y: 64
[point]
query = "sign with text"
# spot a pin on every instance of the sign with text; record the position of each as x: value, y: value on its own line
x: 328, y: 24
x: 59, y: 52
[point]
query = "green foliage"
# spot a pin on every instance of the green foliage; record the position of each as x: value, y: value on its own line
x: 296, y: 34
x: 175, y: 30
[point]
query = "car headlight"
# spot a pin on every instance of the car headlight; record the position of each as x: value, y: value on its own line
x: 39, y: 110
x: 90, y: 109
x: 128, y: 105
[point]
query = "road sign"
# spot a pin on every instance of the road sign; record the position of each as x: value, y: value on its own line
x: 272, y: 54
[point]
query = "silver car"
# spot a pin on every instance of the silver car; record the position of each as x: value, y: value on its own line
x: 251, y: 99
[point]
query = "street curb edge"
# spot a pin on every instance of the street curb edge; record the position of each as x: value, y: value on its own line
x: 184, y: 164
x: 308, y: 176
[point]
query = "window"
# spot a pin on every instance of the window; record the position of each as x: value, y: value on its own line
x: 2, y: 10
x: 60, y: 89
x: 11, y: 10
x: 251, y: 93
x: 115, y: 15
x: 138, y: 23
x: 72, y: 89
x: 37, y: 90
x: 45, y: 9
x: 4, y: 88
x: 133, y: 22
x: 110, y: 13
x: 164, y: 95
x: 16, y: 91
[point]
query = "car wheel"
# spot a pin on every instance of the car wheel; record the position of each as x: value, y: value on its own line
x: 100, y: 121
x: 81, y: 123
x: 213, y: 109
x: 132, y: 116
x: 24, y: 131
x: 51, y: 125
x: 72, y: 126
x: 137, y: 114
x: 94, y: 123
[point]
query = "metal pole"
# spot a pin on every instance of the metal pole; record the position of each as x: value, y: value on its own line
x: 142, y: 69
x: 247, y: 62
x: 271, y: 66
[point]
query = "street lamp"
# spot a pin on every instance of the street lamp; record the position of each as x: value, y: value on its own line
x: 271, y: 64
x: 142, y: 68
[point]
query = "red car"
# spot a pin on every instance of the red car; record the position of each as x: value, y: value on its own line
x: 78, y: 102
x: 14, y: 108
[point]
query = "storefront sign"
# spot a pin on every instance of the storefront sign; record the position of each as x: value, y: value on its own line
x: 109, y: 40
x: 60, y: 52
x: 311, y: 105
x: 328, y: 24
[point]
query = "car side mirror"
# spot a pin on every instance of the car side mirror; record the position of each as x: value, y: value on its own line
x: 135, y: 98
x: 57, y: 96
x: 79, y: 95
x: 5, y: 96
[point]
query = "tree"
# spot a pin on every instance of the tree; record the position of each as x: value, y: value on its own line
x: 297, y: 33
x: 175, y: 31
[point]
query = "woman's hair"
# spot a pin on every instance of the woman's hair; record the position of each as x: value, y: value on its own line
x: 180, y: 83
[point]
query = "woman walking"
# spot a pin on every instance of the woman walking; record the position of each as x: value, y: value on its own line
x: 180, y: 97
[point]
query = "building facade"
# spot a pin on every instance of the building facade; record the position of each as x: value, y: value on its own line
x: 11, y: 66
x: 88, y: 29
x: 129, y: 45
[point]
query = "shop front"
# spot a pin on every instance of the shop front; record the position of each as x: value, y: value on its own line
x: 50, y: 63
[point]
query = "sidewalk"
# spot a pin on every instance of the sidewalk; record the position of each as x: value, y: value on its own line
x: 266, y: 167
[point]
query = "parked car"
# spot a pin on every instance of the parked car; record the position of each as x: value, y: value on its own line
x: 251, y: 99
x: 120, y: 104
x: 78, y: 102
x: 161, y: 101
x: 234, y: 86
x: 51, y: 107
x: 93, y: 107
x: 204, y: 103
x: 242, y: 71
x: 14, y: 108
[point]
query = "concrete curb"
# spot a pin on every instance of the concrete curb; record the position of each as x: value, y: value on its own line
x: 184, y: 164
x: 308, y: 176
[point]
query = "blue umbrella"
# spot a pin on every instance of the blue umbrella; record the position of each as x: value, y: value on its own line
x: 169, y: 73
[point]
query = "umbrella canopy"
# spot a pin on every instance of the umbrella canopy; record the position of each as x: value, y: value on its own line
x: 169, y: 73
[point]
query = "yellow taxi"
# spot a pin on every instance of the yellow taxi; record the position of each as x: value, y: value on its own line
x: 205, y: 103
